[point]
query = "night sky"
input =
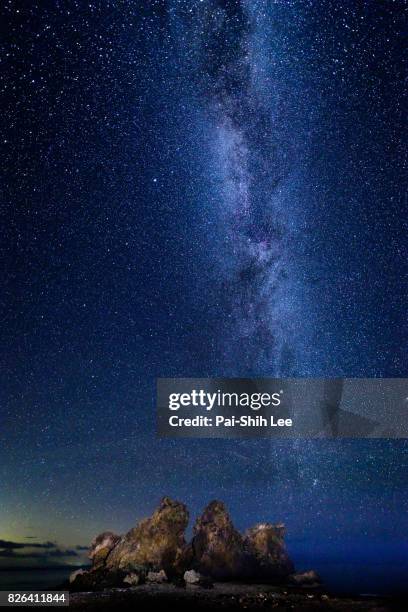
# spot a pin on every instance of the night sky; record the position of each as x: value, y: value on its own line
x: 197, y: 188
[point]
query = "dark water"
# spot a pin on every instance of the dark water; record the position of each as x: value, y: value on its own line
x: 356, y: 566
x: 364, y: 579
x: 33, y: 579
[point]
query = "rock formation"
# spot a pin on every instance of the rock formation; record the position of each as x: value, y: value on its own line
x: 156, y: 542
x: 220, y: 551
x: 266, y: 546
x: 217, y: 547
x: 156, y: 550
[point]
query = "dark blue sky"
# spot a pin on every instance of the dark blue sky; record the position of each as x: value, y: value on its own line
x: 191, y: 189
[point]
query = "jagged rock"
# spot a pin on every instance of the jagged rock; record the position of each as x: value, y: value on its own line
x: 157, y: 577
x: 266, y: 546
x: 101, y: 546
x: 132, y: 579
x: 217, y: 547
x: 309, y: 578
x: 155, y: 543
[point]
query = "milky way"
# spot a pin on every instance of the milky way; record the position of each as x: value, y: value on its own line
x: 254, y: 163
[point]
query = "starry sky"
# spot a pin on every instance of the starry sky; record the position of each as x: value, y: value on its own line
x: 197, y: 188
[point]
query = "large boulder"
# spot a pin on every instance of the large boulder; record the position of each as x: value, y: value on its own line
x: 217, y: 547
x: 194, y: 579
x: 156, y: 543
x: 265, y: 545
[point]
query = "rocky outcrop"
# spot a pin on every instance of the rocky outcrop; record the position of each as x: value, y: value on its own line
x: 220, y: 551
x: 217, y: 547
x: 157, y: 542
x: 156, y: 550
x: 266, y: 546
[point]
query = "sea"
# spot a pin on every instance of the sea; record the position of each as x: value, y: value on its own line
x: 38, y: 579
x: 356, y: 566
